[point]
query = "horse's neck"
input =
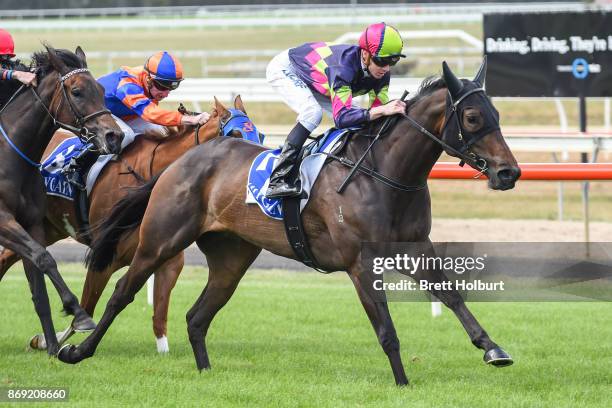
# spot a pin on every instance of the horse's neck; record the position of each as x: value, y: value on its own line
x: 407, y: 155
x: 28, y: 125
x: 172, y: 149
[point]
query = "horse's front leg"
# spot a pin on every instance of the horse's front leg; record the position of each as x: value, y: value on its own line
x: 125, y: 290
x: 494, y: 354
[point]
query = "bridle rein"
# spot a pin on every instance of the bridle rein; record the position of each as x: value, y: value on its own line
x: 464, y: 153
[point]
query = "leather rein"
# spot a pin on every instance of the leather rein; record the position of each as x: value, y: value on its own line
x: 465, y: 154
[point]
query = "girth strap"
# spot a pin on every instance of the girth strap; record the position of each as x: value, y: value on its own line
x: 296, y: 235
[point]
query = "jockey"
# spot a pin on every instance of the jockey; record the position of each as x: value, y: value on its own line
x: 7, y: 65
x: 132, y: 95
x: 322, y: 76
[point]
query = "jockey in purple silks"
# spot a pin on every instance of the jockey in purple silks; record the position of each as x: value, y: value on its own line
x: 322, y: 76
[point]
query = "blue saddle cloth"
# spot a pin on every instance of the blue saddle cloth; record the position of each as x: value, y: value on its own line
x: 51, y: 168
x: 310, y: 167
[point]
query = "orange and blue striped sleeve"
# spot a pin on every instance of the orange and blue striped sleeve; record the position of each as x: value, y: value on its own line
x: 132, y: 95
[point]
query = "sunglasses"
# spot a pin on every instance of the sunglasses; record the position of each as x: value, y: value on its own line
x: 384, y: 61
x: 164, y: 84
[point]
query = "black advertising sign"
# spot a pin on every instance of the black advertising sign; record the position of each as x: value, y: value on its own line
x: 549, y: 54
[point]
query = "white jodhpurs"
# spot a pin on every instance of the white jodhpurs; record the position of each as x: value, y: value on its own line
x: 307, y: 104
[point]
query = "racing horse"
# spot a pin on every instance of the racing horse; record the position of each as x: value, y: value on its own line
x: 67, y: 96
x: 206, y: 187
x: 140, y: 161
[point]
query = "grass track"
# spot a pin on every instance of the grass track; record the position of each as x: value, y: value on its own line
x: 289, y: 339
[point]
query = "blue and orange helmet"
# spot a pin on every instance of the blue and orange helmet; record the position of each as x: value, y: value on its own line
x: 383, y: 42
x: 165, y: 70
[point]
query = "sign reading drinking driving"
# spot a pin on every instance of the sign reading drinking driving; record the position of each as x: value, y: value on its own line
x: 549, y: 54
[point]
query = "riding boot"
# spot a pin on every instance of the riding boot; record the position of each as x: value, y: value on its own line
x: 280, y: 181
x: 75, y: 174
x: 81, y: 207
x: 78, y: 166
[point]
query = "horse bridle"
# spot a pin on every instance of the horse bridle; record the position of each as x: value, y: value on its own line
x: 84, y: 134
x: 82, y: 131
x: 465, y: 153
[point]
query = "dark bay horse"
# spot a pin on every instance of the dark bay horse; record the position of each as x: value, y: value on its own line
x: 207, y: 189
x: 67, y: 96
x: 140, y: 161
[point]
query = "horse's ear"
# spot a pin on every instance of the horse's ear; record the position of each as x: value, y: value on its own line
x: 56, y: 61
x: 214, y: 113
x: 220, y: 107
x: 239, y: 105
x: 81, y: 54
x: 482, y: 73
x: 453, y: 83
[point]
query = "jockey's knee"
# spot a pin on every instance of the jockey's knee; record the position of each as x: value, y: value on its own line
x: 311, y: 117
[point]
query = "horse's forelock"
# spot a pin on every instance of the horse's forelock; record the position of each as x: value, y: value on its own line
x: 42, y: 63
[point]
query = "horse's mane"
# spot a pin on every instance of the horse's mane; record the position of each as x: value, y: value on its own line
x: 41, y: 61
x: 427, y: 87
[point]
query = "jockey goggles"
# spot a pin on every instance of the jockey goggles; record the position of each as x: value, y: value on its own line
x: 384, y: 61
x: 166, y: 84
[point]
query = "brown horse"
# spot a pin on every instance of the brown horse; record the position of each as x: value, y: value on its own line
x: 207, y: 187
x: 142, y: 159
x: 67, y: 96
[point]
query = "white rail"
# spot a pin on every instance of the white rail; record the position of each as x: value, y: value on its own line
x: 292, y: 10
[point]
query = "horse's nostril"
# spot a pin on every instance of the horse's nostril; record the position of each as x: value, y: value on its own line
x: 509, y: 174
x: 113, y: 140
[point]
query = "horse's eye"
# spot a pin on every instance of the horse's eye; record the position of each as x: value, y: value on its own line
x: 472, y: 120
x: 76, y: 92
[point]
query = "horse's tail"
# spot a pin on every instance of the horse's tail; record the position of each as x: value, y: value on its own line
x: 124, y: 217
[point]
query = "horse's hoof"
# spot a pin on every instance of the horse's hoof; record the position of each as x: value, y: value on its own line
x: 65, y: 354
x: 83, y: 324
x: 37, y: 342
x: 498, y: 357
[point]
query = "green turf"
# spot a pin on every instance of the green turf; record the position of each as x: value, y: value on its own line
x: 299, y: 339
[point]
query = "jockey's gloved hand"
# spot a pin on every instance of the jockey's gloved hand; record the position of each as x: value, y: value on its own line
x: 26, y: 78
x: 200, y: 119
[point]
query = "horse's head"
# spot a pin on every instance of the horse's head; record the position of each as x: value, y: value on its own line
x: 236, y: 123
x: 472, y: 128
x: 76, y: 98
